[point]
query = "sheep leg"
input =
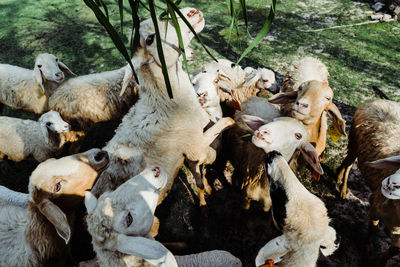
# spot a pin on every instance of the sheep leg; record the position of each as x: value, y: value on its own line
x: 194, y: 167
x: 214, y: 131
x: 372, y: 231
x: 207, y: 187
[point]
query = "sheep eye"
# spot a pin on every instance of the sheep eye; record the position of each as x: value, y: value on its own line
x: 298, y: 136
x: 265, y: 81
x: 328, y: 98
x: 56, y: 59
x: 39, y: 66
x: 57, y: 187
x: 128, y: 219
x: 323, y: 247
x: 150, y: 39
x: 48, y: 124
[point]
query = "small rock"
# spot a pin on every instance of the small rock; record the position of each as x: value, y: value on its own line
x: 378, y: 6
x: 386, y: 18
x: 377, y: 16
x: 396, y: 11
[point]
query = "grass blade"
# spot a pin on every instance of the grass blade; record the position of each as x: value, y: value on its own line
x: 111, y: 31
x: 244, y: 9
x: 159, y: 48
x: 265, y: 29
x: 176, y: 9
x: 121, y: 14
x: 104, y: 6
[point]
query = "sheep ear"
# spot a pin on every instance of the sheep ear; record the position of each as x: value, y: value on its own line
x: 150, y: 250
x: 45, y: 133
x: 128, y: 76
x: 39, y: 78
x: 65, y: 69
x: 253, y: 122
x: 310, y: 154
x: 283, y: 98
x: 386, y: 163
x: 90, y: 202
x: 57, y: 217
x: 336, y: 117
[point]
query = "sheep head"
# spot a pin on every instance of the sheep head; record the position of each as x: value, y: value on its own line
x: 49, y: 68
x: 169, y: 37
x: 264, y: 79
x: 57, y: 186
x: 285, y: 135
x: 390, y: 185
x: 205, y: 86
x: 330, y: 242
x: 52, y: 125
x: 119, y: 219
x: 147, y: 51
x: 310, y: 101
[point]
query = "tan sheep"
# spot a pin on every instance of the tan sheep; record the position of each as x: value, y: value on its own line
x: 38, y: 235
x: 311, y: 101
x: 374, y: 137
x: 29, y: 89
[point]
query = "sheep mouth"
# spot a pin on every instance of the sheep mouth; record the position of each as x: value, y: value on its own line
x: 263, y: 140
x: 297, y: 114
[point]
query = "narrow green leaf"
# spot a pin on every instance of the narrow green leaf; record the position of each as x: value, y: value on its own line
x: 265, y: 29
x: 244, y: 10
x: 245, y: 135
x: 143, y: 5
x: 159, y: 48
x: 176, y: 9
x: 111, y: 31
x: 121, y: 14
x: 134, y: 4
x: 166, y: 12
x: 179, y: 35
x: 105, y: 8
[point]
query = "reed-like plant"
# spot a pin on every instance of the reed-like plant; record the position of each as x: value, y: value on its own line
x: 171, y: 12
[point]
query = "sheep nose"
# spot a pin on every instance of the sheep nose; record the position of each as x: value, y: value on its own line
x: 60, y: 74
x: 305, y: 105
x: 100, y: 156
x: 156, y: 171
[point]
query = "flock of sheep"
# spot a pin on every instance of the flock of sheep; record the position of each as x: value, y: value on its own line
x: 122, y: 183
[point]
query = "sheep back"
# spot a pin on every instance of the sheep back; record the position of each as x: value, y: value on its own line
x: 19, y: 90
x: 93, y: 98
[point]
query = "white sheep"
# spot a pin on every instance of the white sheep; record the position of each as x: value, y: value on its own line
x: 29, y: 90
x: 159, y: 130
x: 299, y: 214
x: 239, y: 84
x: 278, y: 133
x: 304, y: 70
x: 38, y: 235
x: 13, y: 197
x: 120, y: 223
x: 374, y: 141
x: 310, y: 101
x: 205, y: 86
x: 41, y: 139
x: 87, y: 99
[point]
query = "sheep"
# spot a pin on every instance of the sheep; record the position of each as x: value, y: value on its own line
x: 299, y: 214
x: 159, y: 130
x: 29, y: 89
x: 87, y: 99
x: 120, y: 221
x: 304, y: 70
x: 310, y: 101
x: 41, y: 139
x: 38, y: 235
x: 373, y: 140
x: 282, y: 133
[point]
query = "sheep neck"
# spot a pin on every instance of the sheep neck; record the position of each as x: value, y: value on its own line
x: 43, y: 238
